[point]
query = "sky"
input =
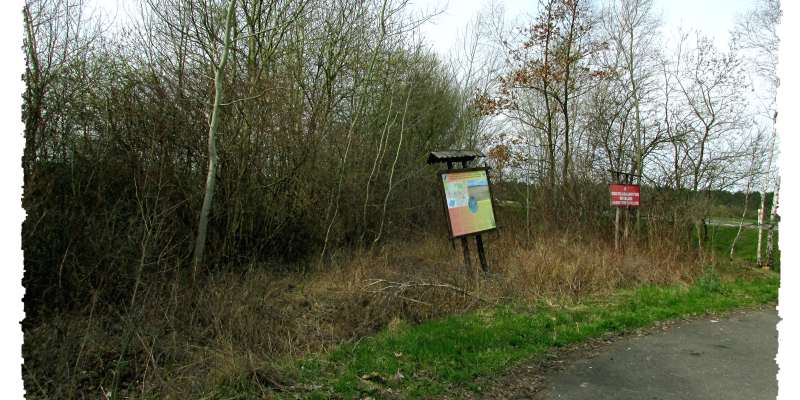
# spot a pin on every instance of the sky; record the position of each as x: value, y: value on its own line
x: 713, y: 17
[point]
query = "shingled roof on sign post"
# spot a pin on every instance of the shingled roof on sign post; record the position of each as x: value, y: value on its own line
x: 453, y: 156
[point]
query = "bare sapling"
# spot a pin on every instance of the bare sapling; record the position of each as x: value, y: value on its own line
x: 751, y: 174
x: 212, y: 146
x: 358, y: 111
x: 394, y: 165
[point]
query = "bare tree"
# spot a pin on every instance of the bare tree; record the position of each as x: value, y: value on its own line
x: 762, y: 209
x: 711, y: 85
x: 475, y: 58
x: 548, y: 72
x: 632, y: 27
x: 754, y: 38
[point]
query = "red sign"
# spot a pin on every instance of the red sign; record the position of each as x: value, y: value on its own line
x: 625, y: 195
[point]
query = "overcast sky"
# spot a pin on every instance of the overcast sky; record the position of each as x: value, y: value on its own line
x: 713, y: 17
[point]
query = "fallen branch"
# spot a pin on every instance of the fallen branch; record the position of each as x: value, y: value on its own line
x: 399, y: 287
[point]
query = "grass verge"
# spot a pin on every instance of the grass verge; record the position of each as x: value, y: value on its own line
x: 423, y: 360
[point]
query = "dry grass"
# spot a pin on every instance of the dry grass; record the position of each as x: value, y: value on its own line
x: 231, y: 332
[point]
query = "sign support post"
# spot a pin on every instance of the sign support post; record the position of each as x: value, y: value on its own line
x: 616, y: 231
x: 481, y: 254
x: 467, y: 260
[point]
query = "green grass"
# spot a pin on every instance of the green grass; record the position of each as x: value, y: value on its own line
x: 454, y: 351
x: 721, y: 238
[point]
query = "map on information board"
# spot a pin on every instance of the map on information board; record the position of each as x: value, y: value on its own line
x: 468, y: 200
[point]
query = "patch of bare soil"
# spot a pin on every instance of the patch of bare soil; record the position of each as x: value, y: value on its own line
x: 528, y: 377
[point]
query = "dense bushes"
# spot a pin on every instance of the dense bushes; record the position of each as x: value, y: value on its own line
x: 314, y: 152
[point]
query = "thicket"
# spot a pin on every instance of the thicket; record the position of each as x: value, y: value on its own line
x: 322, y: 143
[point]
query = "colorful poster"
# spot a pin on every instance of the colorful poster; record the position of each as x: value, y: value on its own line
x: 625, y: 195
x: 468, y: 200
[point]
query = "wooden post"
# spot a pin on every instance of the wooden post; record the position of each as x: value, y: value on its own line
x: 616, y: 220
x: 481, y: 254
x: 627, y: 224
x: 450, y: 166
x: 616, y: 230
x: 467, y: 261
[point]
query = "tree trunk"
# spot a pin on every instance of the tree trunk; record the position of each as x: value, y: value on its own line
x: 212, y: 147
x: 764, y: 192
x: 770, y: 243
x: 741, y: 223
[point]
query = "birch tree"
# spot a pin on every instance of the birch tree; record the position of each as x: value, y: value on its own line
x: 772, y: 220
x: 755, y: 39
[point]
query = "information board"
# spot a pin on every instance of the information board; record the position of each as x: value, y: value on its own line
x: 467, y: 200
x: 625, y: 195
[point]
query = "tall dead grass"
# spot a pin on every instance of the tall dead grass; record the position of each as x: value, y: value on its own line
x: 230, y: 332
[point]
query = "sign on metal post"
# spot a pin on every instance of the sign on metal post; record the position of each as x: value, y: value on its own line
x: 468, y: 201
x: 625, y: 195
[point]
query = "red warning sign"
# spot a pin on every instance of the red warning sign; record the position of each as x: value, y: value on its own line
x: 625, y: 195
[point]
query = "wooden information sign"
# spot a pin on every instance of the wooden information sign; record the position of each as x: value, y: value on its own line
x: 467, y: 200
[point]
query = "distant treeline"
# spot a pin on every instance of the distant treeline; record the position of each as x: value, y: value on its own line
x: 716, y: 203
x: 731, y: 205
